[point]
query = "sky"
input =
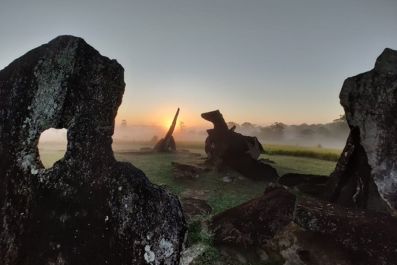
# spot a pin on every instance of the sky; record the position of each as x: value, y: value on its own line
x: 260, y: 61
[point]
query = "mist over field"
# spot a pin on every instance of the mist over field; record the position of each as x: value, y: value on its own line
x: 327, y: 135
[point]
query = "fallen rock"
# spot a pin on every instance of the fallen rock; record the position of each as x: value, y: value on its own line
x: 297, y: 246
x: 313, y: 185
x: 365, y: 237
x: 226, y: 148
x: 255, y: 222
x: 251, y: 168
x: 305, y: 230
x: 366, y: 174
x: 88, y: 208
x: 294, y: 179
x: 222, y: 139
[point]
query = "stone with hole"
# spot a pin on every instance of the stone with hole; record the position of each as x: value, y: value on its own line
x: 88, y: 208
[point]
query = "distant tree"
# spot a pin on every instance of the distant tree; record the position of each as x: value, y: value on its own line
x: 230, y: 124
x: 322, y: 130
x: 273, y: 132
x: 342, y: 118
x: 247, y: 125
x: 307, y: 133
x: 278, y: 126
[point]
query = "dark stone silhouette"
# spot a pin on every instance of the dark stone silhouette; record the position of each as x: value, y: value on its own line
x: 366, y: 173
x: 351, y: 184
x: 255, y: 222
x: 167, y: 144
x: 314, y: 185
x: 88, y: 208
x: 224, y: 147
x: 293, y: 179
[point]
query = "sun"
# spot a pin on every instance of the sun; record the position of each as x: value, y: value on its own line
x: 167, y: 123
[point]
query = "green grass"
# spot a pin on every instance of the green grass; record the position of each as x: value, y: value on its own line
x: 328, y: 154
x: 197, y: 233
x: 318, y: 152
x: 220, y: 195
x: 209, y: 257
x: 303, y: 165
x: 199, y: 146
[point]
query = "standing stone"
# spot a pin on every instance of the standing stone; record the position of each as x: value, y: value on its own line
x: 366, y: 174
x: 88, y: 208
x: 167, y: 144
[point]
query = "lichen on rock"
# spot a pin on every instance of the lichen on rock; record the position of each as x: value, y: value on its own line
x: 75, y: 212
x: 368, y: 173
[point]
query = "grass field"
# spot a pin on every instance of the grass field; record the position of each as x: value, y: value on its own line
x: 329, y: 154
x: 210, y: 185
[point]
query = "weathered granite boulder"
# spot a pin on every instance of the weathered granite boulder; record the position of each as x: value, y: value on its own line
x: 88, y: 208
x: 366, y: 174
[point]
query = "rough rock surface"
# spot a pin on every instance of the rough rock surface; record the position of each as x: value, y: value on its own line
x: 366, y: 238
x: 304, y: 230
x: 88, y: 208
x: 350, y: 184
x: 313, y: 185
x: 368, y: 166
x: 300, y: 247
x: 256, y: 221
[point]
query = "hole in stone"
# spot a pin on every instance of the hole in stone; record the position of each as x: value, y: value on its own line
x: 52, y: 146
